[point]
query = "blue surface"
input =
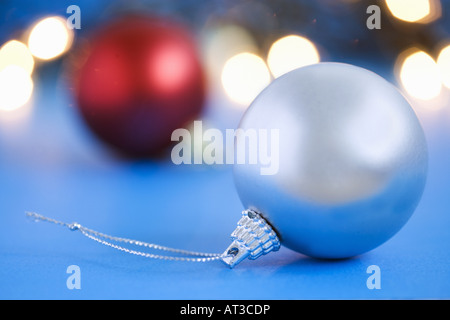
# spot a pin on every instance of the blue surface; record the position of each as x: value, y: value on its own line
x: 52, y: 166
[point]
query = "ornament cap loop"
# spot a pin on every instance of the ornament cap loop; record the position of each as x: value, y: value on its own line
x: 234, y: 254
x: 252, y: 238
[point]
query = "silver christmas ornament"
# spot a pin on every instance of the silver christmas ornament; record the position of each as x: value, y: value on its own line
x: 351, y: 165
x: 331, y: 162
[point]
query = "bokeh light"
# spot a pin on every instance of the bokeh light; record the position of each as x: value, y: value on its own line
x: 443, y: 63
x: 16, y: 53
x: 244, y: 76
x: 222, y: 42
x: 421, y: 11
x: 419, y: 75
x: 16, y: 87
x: 291, y: 52
x: 50, y: 38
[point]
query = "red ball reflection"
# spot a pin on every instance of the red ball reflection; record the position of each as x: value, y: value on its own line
x: 141, y: 80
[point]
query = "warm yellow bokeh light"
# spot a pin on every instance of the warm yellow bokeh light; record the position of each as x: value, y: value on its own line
x: 422, y: 11
x: 16, y: 87
x: 50, y: 38
x: 420, y: 76
x: 16, y: 53
x: 291, y: 52
x: 244, y: 76
x: 221, y: 43
x: 443, y: 63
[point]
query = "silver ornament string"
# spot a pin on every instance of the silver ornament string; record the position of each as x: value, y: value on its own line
x: 107, y: 240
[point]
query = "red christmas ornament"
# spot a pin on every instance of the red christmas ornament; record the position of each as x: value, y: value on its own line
x: 140, y: 80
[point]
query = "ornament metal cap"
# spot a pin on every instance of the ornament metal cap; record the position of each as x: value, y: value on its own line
x: 252, y: 238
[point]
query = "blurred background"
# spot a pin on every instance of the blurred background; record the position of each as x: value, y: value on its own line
x: 59, y: 160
